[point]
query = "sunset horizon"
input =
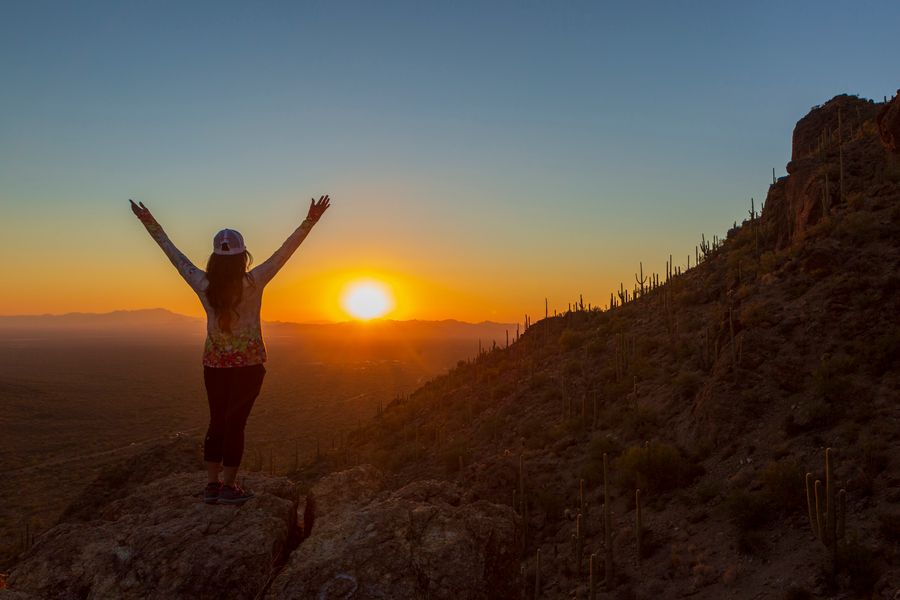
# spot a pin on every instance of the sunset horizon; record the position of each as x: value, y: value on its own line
x: 474, y: 196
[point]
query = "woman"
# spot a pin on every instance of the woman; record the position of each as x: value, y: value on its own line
x: 234, y: 354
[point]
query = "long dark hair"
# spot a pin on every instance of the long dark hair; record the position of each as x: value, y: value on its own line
x: 226, y: 275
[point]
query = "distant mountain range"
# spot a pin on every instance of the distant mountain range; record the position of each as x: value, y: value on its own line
x: 119, y: 318
x: 159, y: 322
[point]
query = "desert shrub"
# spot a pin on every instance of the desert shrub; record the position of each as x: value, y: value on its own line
x: 796, y: 286
x: 570, y: 339
x: 648, y: 345
x: 450, y: 455
x: 757, y: 313
x: 540, y: 381
x: 831, y: 380
x: 881, y: 352
x: 890, y: 524
x: 570, y: 426
x: 618, y: 389
x: 573, y: 368
x: 856, y: 200
x: 551, y: 395
x: 550, y: 503
x: 744, y: 291
x: 822, y: 229
x: 816, y: 414
x: 656, y: 467
x: 693, y: 296
x: 536, y: 433
x: 686, y: 385
x: 875, y: 454
x: 797, y: 593
x: 707, y: 490
x: 857, y: 560
x: 592, y: 470
x: 398, y: 457
x: 749, y: 513
x: 747, y: 510
x: 641, y: 422
x: 752, y: 542
x: 503, y: 389
x: 611, y: 415
x: 595, y: 347
x: 604, y: 444
x: 769, y: 262
x: 892, y: 169
x: 491, y: 426
x: 856, y: 227
x: 783, y: 485
x: 741, y: 262
x: 489, y: 374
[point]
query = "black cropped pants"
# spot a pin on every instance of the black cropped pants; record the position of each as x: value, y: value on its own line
x: 231, y: 392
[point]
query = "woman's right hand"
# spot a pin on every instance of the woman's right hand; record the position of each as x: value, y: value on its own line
x: 317, y: 209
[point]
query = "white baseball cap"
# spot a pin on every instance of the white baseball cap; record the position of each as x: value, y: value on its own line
x: 228, y: 241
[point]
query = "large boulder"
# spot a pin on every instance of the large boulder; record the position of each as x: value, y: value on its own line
x: 161, y: 541
x: 421, y: 541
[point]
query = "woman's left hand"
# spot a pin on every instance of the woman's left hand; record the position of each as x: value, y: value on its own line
x: 140, y: 211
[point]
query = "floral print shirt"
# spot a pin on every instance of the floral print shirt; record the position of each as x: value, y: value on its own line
x: 243, y: 345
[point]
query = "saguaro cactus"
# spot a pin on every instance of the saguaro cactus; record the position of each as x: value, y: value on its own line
x: 638, y: 523
x: 592, y: 577
x: 581, y: 496
x: 523, y: 500
x: 809, y: 505
x: 829, y: 525
x: 641, y: 280
x: 579, y: 544
x: 829, y: 498
x: 607, y: 527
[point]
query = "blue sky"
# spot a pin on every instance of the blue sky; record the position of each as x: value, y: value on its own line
x: 504, y: 151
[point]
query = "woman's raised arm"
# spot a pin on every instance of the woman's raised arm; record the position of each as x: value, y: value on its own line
x: 264, y: 272
x: 191, y: 274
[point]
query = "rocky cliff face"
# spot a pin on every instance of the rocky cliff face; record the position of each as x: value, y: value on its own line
x: 888, y: 121
x: 835, y: 160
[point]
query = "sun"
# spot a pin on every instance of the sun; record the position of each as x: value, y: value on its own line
x: 367, y: 299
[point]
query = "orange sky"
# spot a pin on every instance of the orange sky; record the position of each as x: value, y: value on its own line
x: 471, y: 168
x: 112, y: 264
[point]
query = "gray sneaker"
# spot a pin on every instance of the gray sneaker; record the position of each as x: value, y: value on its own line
x: 211, y: 492
x: 233, y: 494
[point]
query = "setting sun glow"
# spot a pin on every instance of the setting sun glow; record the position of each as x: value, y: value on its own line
x: 367, y: 299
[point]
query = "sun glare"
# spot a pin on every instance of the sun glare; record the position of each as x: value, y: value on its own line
x: 367, y: 299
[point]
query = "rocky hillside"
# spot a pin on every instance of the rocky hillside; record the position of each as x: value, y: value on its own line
x: 670, y: 445
x: 714, y: 390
